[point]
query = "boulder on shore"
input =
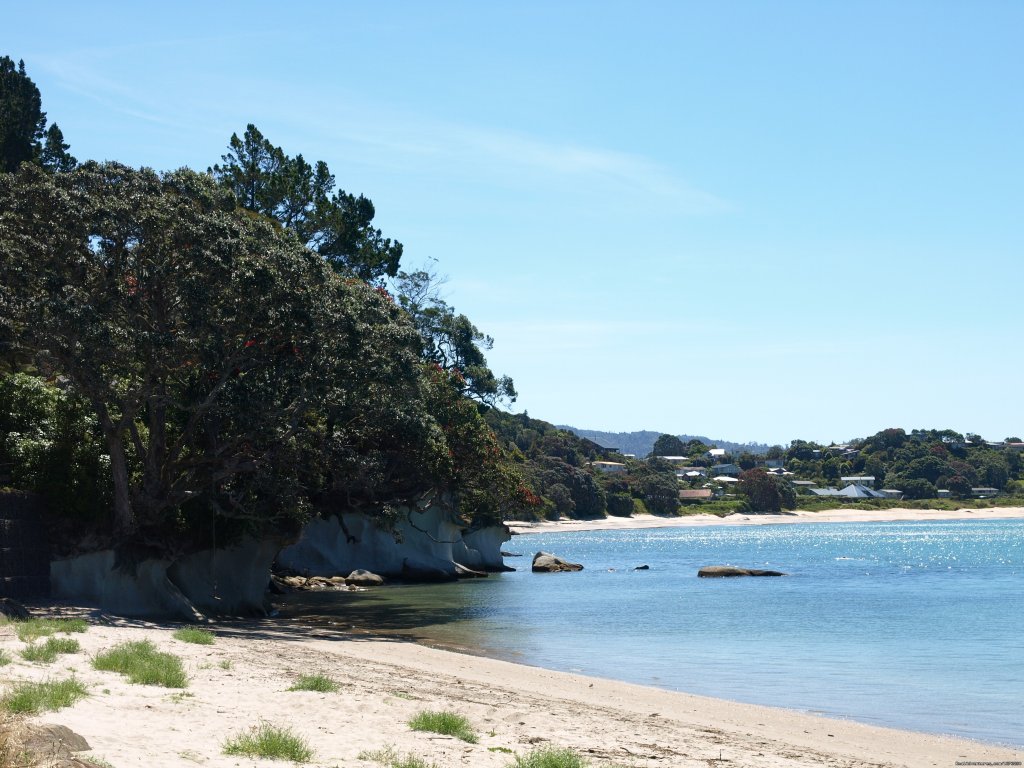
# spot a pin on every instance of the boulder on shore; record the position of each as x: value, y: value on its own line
x: 545, y: 562
x: 721, y: 571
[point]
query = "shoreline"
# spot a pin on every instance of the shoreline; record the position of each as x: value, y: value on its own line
x: 243, y: 677
x: 840, y: 515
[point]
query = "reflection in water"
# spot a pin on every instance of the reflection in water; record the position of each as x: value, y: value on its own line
x: 441, y: 615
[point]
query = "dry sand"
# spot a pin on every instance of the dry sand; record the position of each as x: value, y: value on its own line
x: 798, y: 516
x: 243, y: 678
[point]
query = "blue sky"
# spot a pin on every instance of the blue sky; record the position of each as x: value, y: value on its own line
x: 749, y: 220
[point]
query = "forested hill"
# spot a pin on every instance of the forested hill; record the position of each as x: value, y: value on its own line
x: 640, y: 443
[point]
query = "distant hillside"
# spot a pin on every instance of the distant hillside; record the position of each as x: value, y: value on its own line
x: 641, y: 443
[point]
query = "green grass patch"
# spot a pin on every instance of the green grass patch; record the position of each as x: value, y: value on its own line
x: 550, y: 757
x: 50, y: 695
x: 389, y: 758
x: 32, y: 629
x: 195, y: 635
x: 270, y: 741
x: 50, y: 650
x: 318, y: 683
x: 447, y: 723
x: 142, y: 663
x: 4, y: 659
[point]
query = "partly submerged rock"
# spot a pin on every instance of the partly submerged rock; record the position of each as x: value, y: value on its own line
x: 642, y: 568
x: 363, y: 578
x: 720, y: 571
x: 545, y: 562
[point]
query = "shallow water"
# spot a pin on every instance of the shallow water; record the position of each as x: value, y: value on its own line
x: 916, y: 625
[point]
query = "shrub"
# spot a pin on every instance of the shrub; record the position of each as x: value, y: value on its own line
x: 318, y: 683
x: 48, y: 651
x: 4, y: 659
x: 446, y: 723
x: 195, y: 635
x: 142, y: 663
x: 550, y: 757
x: 51, y: 695
x: 270, y: 741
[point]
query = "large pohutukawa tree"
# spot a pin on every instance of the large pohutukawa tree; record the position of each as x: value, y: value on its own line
x: 208, y: 340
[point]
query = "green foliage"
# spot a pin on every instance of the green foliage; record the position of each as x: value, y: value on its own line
x: 4, y: 659
x: 550, y: 757
x: 767, y: 492
x: 218, y: 348
x: 48, y: 651
x: 619, y: 504
x: 447, y: 723
x: 23, y: 133
x: 269, y: 741
x: 32, y: 629
x: 47, y: 696
x: 302, y: 198
x: 143, y: 664
x: 50, y: 444
x: 451, y: 341
x: 317, y: 683
x: 389, y: 757
x: 668, y: 445
x: 196, y: 635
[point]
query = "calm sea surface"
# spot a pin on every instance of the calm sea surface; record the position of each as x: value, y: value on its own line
x: 916, y: 625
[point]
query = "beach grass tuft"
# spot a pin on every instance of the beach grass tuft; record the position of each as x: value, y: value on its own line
x: 142, y: 663
x: 48, y: 651
x: 318, y: 683
x: 4, y: 659
x: 196, y: 635
x: 270, y: 741
x: 390, y: 758
x: 447, y: 723
x: 550, y: 757
x: 32, y: 629
x: 49, y: 695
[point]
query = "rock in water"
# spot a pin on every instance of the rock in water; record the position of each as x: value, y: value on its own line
x: 720, y: 571
x: 361, y: 578
x: 642, y: 568
x: 545, y: 562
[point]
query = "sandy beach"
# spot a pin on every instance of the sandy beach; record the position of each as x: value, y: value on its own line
x: 242, y: 680
x: 847, y: 515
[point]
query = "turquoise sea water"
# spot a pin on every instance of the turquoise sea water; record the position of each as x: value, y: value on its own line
x: 916, y: 625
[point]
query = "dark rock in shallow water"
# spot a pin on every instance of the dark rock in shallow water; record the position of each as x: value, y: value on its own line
x: 721, y: 571
x: 545, y: 562
x: 642, y: 568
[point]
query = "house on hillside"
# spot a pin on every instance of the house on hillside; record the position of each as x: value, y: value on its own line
x: 984, y: 493
x: 717, y: 453
x: 691, y: 473
x: 732, y: 470
x: 611, y: 467
x: 868, y: 480
x: 676, y: 460
x: 849, y: 492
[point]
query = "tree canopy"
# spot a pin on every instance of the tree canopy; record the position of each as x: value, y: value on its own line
x: 302, y: 197
x: 24, y: 136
